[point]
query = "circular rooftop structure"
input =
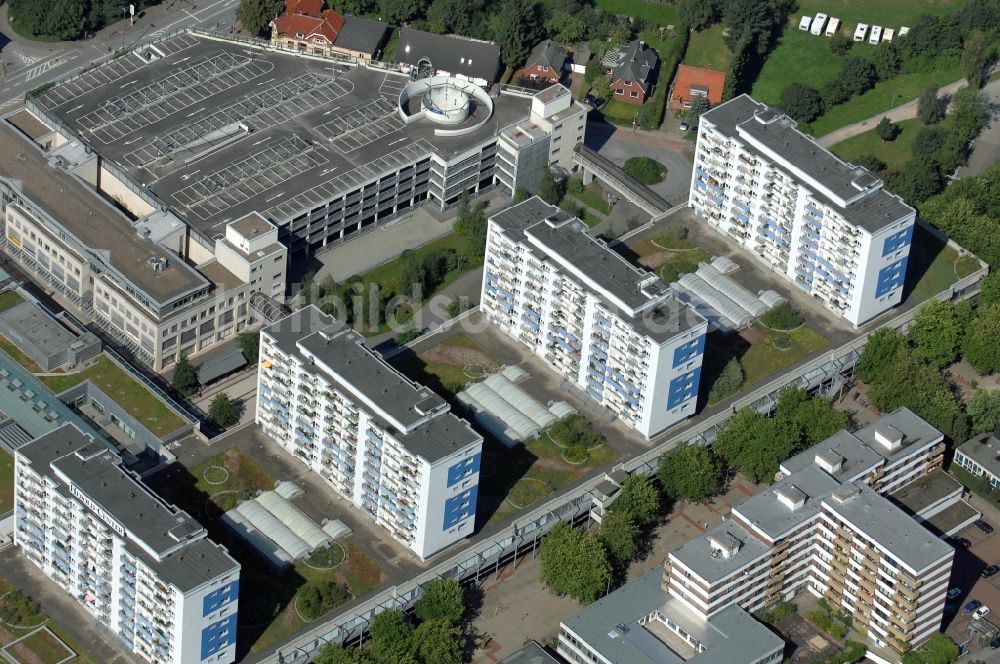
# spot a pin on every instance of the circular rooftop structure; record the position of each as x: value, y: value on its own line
x: 458, y: 106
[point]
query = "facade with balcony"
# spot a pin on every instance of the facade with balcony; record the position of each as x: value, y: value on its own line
x: 142, y: 568
x: 614, y: 330
x: 826, y: 225
x: 824, y: 528
x: 388, y: 445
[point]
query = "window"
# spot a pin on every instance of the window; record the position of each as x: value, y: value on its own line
x: 633, y: 94
x: 620, y: 92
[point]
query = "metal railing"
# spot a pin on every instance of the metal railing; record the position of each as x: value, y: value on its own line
x: 523, y: 535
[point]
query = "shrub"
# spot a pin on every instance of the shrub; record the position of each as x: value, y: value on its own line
x: 646, y: 170
x: 778, y: 612
x: 575, y: 430
x: 575, y: 186
x: 783, y: 317
x: 802, y: 102
x: 317, y: 598
x: 728, y: 382
x: 19, y: 609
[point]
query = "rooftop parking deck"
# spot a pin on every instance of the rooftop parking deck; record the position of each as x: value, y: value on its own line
x: 217, y: 130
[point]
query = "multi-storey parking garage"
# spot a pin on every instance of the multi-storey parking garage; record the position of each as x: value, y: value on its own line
x: 215, y: 130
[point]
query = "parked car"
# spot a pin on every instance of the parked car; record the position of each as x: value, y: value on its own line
x: 684, y: 125
x: 954, y: 592
x: 985, y: 527
x: 950, y: 609
x: 981, y: 612
x: 959, y: 542
x: 972, y: 606
x: 989, y: 571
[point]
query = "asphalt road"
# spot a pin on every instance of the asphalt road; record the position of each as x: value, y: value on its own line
x: 27, y: 65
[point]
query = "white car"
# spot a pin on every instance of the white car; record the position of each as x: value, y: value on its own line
x: 981, y: 612
x: 954, y: 592
x: 860, y: 32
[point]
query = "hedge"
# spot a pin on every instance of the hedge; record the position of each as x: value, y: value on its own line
x: 652, y: 111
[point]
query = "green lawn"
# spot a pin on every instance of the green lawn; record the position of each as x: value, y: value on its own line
x: 799, y: 57
x: 6, y: 482
x: 763, y: 359
x: 125, y: 390
x: 931, y: 267
x: 657, y: 40
x: 887, y: 13
x: 619, y: 112
x: 682, y: 263
x: 705, y: 49
x: 538, y: 459
x: 594, y: 196
x: 884, y: 96
x: 232, y: 474
x: 8, y: 634
x: 359, y: 572
x: 40, y: 648
x: 894, y: 153
x: 10, y: 299
x: 651, y: 12
x: 571, y: 206
x: 18, y: 355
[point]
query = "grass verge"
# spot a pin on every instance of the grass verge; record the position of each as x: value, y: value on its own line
x: 706, y: 49
x: 10, y: 299
x: 763, y: 359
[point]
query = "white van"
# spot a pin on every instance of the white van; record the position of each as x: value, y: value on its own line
x: 860, y: 32
x: 805, y: 22
x: 832, y: 27
x: 818, y: 24
x: 876, y: 35
x: 888, y: 34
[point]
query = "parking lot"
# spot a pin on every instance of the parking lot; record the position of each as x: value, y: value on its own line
x: 965, y: 575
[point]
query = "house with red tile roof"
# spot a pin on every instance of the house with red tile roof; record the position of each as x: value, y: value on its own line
x: 308, y: 28
x: 693, y: 82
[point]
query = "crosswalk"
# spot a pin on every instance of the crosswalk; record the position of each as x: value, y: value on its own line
x: 38, y: 70
x: 28, y: 59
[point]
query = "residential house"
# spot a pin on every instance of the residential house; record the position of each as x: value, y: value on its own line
x: 632, y: 68
x: 544, y: 65
x: 308, y: 28
x: 694, y: 82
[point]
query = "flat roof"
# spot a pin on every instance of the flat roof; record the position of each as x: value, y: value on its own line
x: 559, y: 236
x: 793, y: 149
x: 371, y: 380
x: 361, y: 34
x: 28, y: 319
x: 984, y: 449
x: 97, y: 472
x: 766, y: 511
x: 894, y: 530
x: 610, y: 626
x: 921, y: 493
x: 860, y: 452
x: 698, y: 554
x: 318, y: 130
x: 97, y: 225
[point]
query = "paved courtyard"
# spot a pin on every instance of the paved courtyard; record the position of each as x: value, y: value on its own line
x: 517, y: 607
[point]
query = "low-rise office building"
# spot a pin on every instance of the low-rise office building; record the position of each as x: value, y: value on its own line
x: 612, y: 329
x: 385, y: 443
x: 980, y: 455
x: 828, y: 226
x: 157, y: 292
x: 827, y: 527
x: 142, y: 568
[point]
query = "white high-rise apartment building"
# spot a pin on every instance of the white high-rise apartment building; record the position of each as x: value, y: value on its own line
x: 387, y: 444
x: 826, y: 527
x: 613, y: 329
x: 139, y: 566
x: 827, y: 225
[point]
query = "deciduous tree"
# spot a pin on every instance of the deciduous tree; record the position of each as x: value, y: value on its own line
x: 222, y: 411
x: 690, y: 472
x: 802, y: 102
x: 886, y: 130
x: 935, y: 333
x: 984, y: 410
x: 442, y: 599
x: 185, y: 380
x: 620, y: 535
x: 929, y: 106
x: 883, y: 346
x: 574, y: 563
x: 438, y: 642
x: 255, y: 15
x: 640, y: 498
